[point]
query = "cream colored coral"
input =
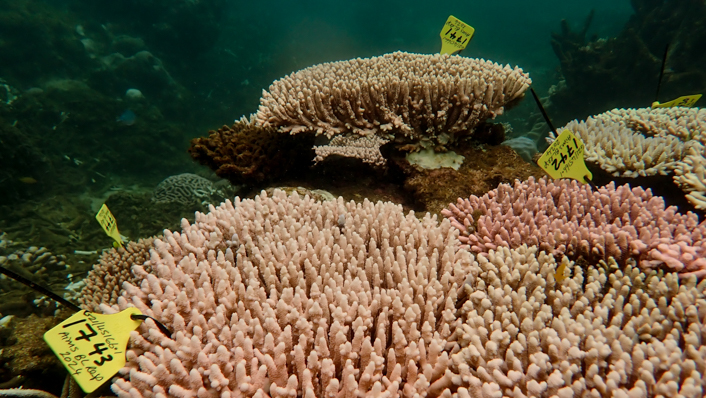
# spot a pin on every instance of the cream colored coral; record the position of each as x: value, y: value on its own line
x: 647, y: 142
x: 639, y: 142
x: 690, y: 174
x: 683, y: 123
x: 601, y: 332
x: 415, y: 97
x: 366, y: 149
x: 622, y: 152
x: 287, y: 297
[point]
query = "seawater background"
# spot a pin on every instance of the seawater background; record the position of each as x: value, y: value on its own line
x: 282, y: 36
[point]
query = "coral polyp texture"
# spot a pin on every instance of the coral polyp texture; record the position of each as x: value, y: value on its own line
x: 565, y: 217
x: 414, y: 99
x: 364, y: 148
x: 104, y: 282
x: 648, y: 142
x: 603, y: 331
x: 285, y: 296
x: 35, y: 263
x: 690, y: 174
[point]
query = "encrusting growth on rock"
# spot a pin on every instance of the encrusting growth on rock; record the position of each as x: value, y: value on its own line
x: 244, y: 153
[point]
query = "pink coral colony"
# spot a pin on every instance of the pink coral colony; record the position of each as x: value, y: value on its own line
x: 564, y: 217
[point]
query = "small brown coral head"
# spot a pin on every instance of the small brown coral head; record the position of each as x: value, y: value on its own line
x: 244, y: 153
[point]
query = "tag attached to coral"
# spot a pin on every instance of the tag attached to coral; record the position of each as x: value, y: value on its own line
x: 560, y: 273
x: 687, y: 101
x: 564, y: 159
x: 92, y: 346
x: 455, y: 35
x: 110, y: 226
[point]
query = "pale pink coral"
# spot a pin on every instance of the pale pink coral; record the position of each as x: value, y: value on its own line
x: 285, y: 296
x: 564, y: 217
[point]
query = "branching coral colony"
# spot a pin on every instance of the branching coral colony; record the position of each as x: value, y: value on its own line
x: 287, y: 296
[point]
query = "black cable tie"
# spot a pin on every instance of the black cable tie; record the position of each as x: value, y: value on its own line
x: 159, y: 324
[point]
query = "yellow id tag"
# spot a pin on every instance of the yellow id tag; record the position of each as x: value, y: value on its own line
x: 92, y: 346
x: 110, y: 226
x: 564, y: 158
x: 687, y: 101
x: 455, y: 35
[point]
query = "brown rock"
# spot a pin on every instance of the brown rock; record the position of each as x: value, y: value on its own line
x: 482, y: 170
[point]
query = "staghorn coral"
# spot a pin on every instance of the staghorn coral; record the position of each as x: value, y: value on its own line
x: 103, y: 284
x: 414, y: 99
x: 284, y: 296
x: 245, y: 153
x: 600, y: 332
x: 565, y: 217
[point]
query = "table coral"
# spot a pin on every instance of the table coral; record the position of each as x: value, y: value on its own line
x: 416, y: 100
x: 285, y: 296
x: 604, y: 331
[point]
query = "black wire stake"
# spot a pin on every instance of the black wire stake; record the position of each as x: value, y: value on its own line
x: 661, y: 71
x: 590, y: 183
x: 40, y: 289
x: 544, y: 113
x: 67, y: 303
x: 551, y: 126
